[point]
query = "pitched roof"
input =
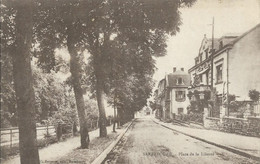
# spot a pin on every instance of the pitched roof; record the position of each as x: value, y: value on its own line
x: 240, y: 37
x: 172, y: 78
x: 236, y: 40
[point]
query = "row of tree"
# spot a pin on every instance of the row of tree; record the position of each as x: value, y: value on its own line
x: 120, y: 36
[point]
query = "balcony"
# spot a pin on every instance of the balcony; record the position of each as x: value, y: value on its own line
x: 201, y: 87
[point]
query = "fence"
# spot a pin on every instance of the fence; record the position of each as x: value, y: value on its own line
x: 10, y: 136
x: 257, y: 109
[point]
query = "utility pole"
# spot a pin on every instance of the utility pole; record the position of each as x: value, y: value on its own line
x: 212, y: 53
x: 211, y: 61
x: 227, y: 82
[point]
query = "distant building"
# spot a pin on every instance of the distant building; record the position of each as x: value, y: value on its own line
x: 177, y: 84
x: 172, y: 94
x: 146, y: 111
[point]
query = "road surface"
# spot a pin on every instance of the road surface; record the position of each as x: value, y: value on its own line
x: 148, y: 142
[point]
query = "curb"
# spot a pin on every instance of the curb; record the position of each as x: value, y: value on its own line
x: 244, y: 154
x: 101, y: 157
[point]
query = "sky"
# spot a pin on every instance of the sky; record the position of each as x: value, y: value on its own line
x: 230, y: 16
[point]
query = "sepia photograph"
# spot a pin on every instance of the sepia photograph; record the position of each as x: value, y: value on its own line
x: 130, y: 82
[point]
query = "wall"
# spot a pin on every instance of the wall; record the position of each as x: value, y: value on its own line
x: 254, y: 125
x: 175, y: 104
x: 249, y: 126
x: 220, y: 59
x: 211, y: 123
x: 244, y: 61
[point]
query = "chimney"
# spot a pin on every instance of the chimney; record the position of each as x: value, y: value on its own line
x: 174, y: 69
x: 182, y: 69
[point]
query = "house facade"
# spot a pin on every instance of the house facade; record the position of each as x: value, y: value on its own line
x: 201, y: 71
x: 177, y: 84
x: 236, y: 66
x: 229, y: 65
x: 172, y: 94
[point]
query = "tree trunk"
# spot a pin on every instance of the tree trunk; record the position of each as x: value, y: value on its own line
x: 23, y: 83
x: 114, y: 126
x: 120, y: 117
x: 75, y: 69
x: 101, y: 107
x: 98, y: 66
x: 115, y: 115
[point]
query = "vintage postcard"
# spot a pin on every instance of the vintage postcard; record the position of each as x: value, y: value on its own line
x: 130, y: 81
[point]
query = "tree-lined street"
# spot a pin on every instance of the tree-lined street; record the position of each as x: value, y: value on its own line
x: 81, y: 66
x: 120, y: 37
x: 148, y: 142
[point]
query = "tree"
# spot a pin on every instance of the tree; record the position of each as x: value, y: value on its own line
x: 254, y: 95
x: 8, y: 105
x: 62, y: 24
x: 20, y: 32
x: 103, y: 26
x: 129, y: 28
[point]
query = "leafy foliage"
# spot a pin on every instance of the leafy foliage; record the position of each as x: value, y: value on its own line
x: 8, y: 107
x: 254, y: 95
x: 122, y: 38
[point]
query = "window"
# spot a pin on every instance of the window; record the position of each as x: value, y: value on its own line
x: 180, y: 110
x: 180, y: 81
x: 207, y: 77
x: 180, y: 96
x: 219, y: 69
x: 201, y: 79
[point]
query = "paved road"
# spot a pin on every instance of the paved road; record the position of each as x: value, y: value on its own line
x: 148, y: 142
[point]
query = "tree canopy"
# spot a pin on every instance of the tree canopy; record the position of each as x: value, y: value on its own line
x: 122, y: 37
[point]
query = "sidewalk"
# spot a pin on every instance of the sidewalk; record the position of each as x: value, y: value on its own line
x: 58, y: 150
x: 243, y: 145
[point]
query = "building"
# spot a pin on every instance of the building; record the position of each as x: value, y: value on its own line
x: 237, y: 65
x: 201, y: 75
x: 177, y: 84
x: 172, y: 94
x: 230, y: 67
x: 201, y: 72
